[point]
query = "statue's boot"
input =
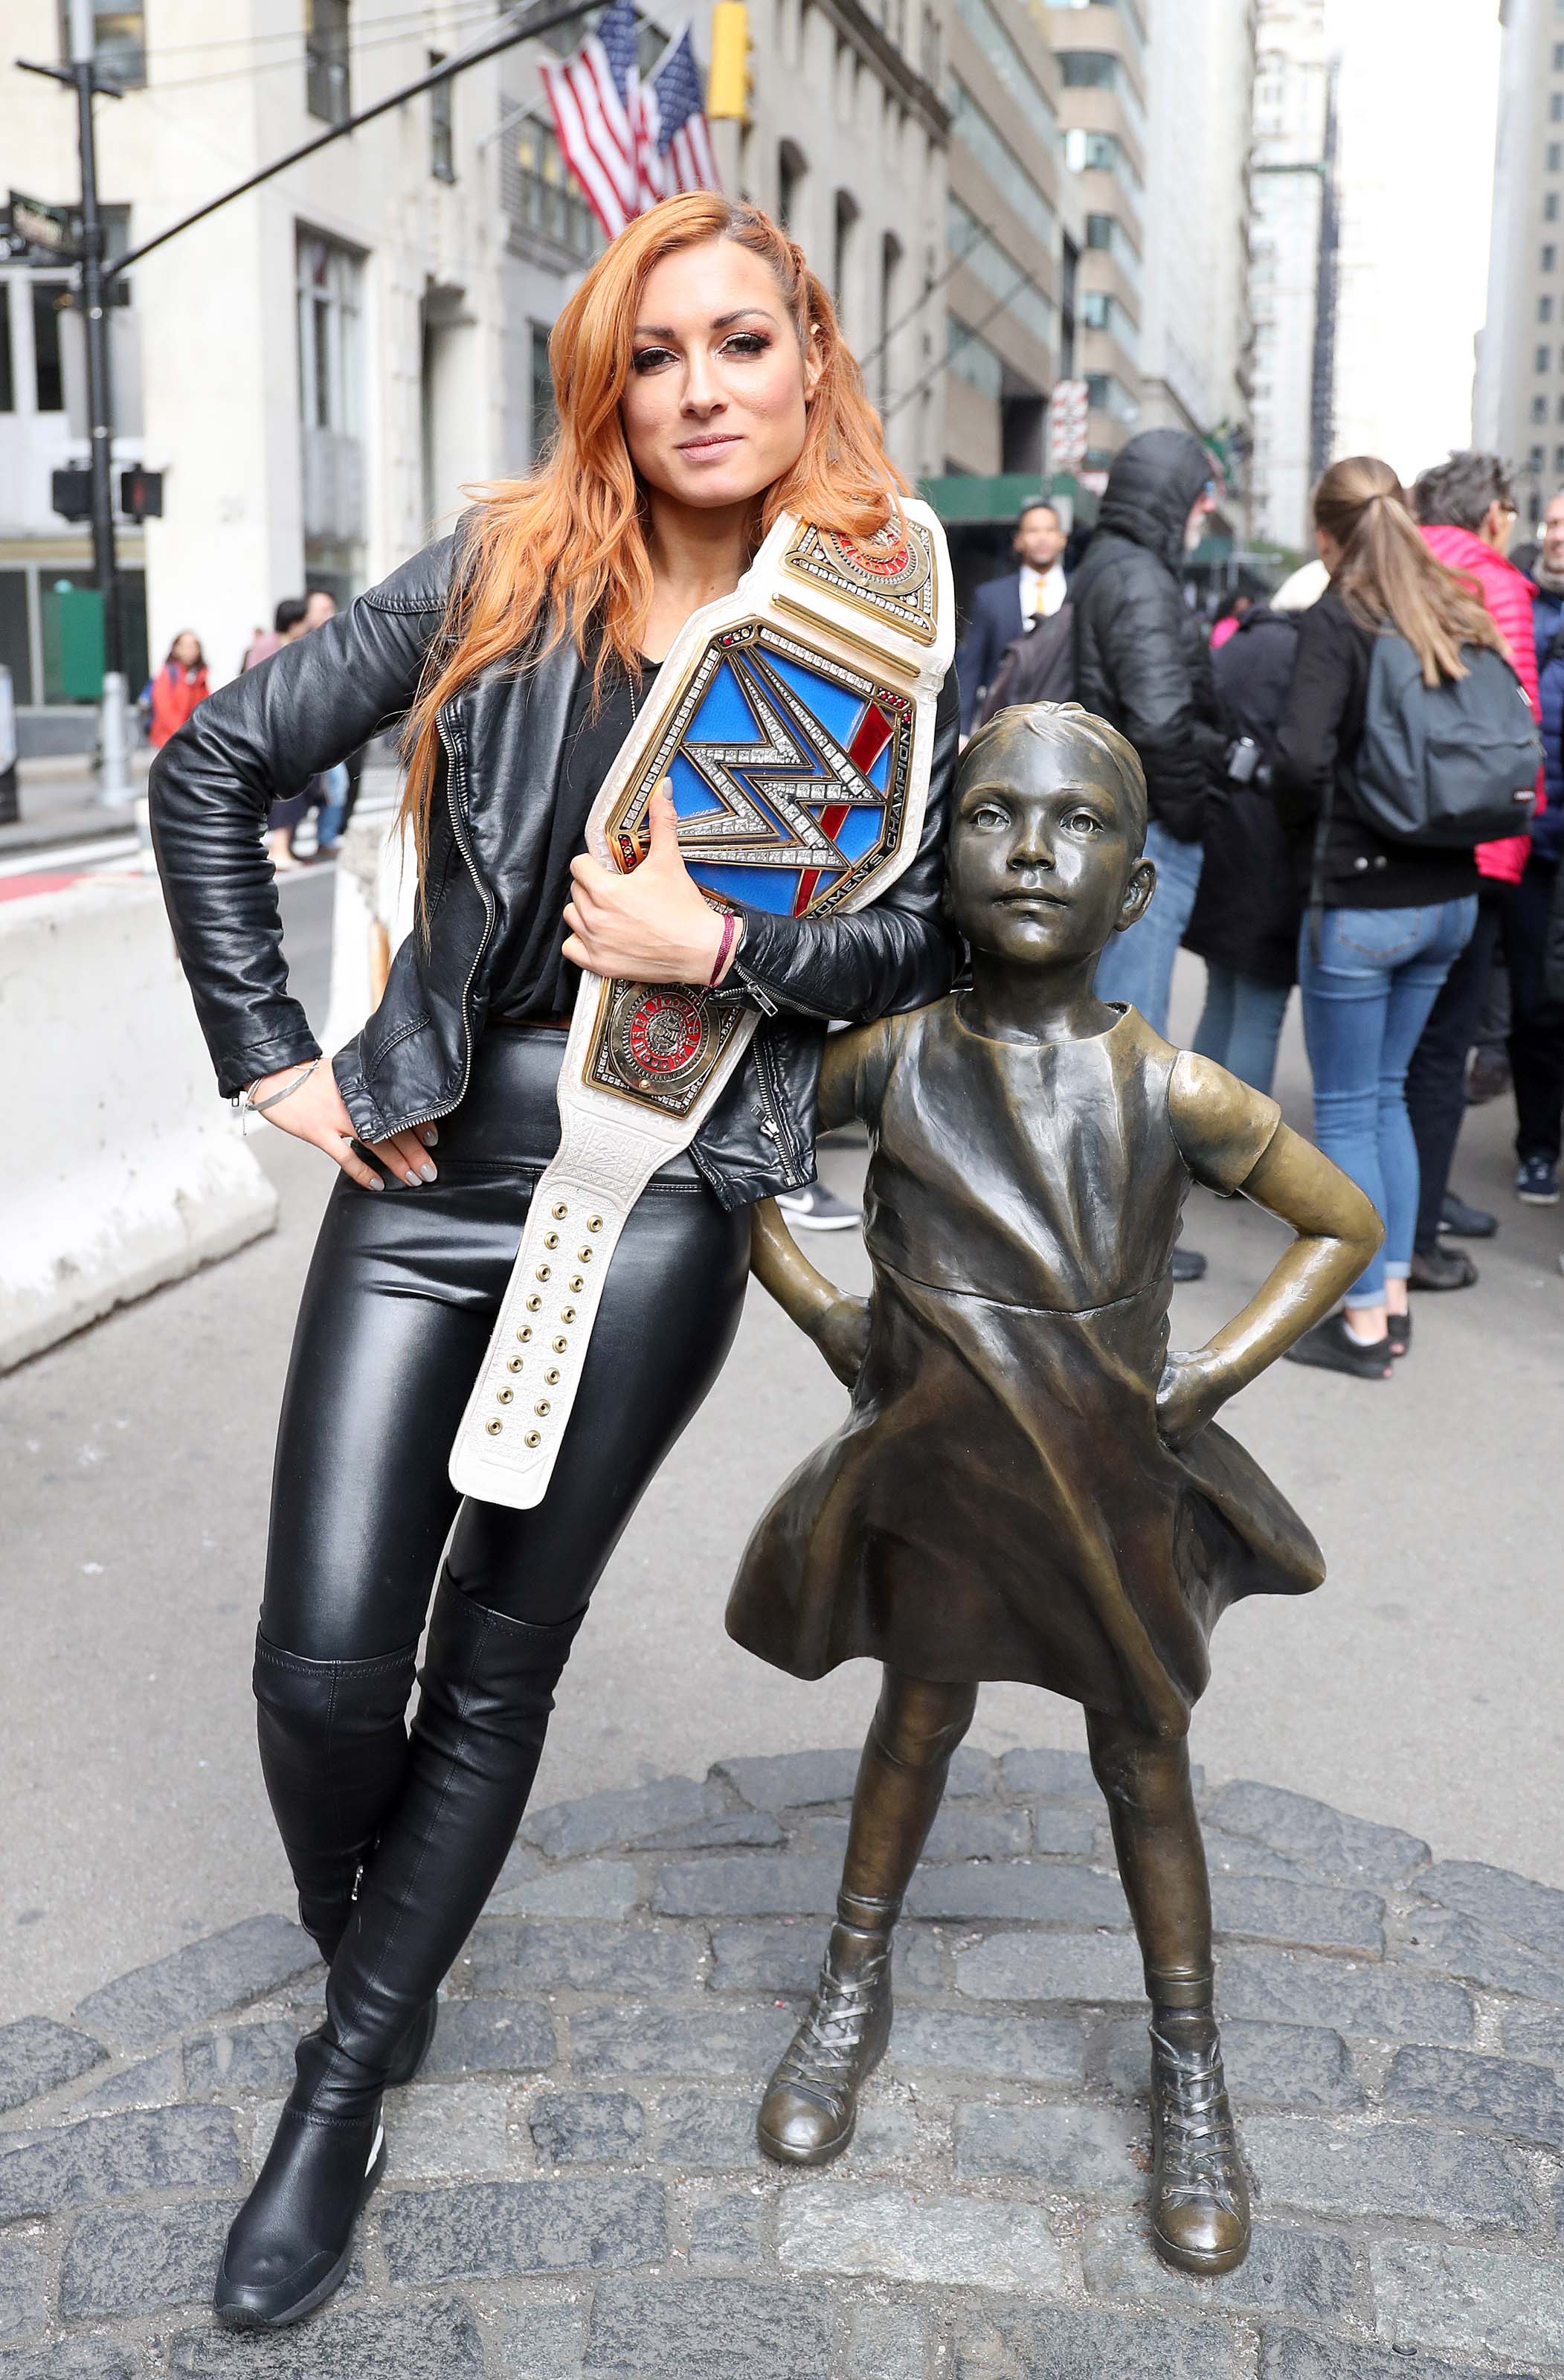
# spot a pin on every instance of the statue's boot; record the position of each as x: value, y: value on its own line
x: 487, y: 1691
x: 810, y: 2109
x: 334, y: 1753
x: 1200, y: 2194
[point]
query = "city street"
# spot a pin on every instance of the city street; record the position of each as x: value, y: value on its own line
x: 1421, y: 1688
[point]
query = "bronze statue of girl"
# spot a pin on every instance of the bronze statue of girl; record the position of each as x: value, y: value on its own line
x: 1028, y: 1485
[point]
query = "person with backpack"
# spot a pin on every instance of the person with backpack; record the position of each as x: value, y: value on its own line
x: 1246, y: 912
x: 1406, y: 741
x: 1466, y: 508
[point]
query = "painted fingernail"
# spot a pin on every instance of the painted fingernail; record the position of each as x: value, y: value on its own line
x: 413, y: 1180
x: 430, y: 1137
x: 375, y: 1181
x: 428, y: 1172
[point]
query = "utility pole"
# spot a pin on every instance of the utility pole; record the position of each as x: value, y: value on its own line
x: 115, y: 787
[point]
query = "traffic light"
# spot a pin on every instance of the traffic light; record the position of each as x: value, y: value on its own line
x: 140, y: 494
x: 727, y: 81
x: 70, y: 494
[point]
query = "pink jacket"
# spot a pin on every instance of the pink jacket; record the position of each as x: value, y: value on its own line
x: 1507, y: 596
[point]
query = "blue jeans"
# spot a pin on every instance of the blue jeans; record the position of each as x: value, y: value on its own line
x: 1366, y: 1000
x: 1138, y: 966
x: 1240, y: 1023
x: 335, y: 783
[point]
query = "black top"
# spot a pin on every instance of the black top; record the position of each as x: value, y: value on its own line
x: 1316, y: 745
x: 1247, y: 909
x: 531, y: 978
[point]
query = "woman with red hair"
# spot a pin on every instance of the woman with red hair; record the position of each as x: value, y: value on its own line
x: 702, y: 388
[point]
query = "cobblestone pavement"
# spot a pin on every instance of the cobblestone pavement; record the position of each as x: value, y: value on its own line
x: 572, y: 2188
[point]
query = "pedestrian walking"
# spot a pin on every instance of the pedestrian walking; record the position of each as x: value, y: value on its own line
x: 287, y: 623
x: 1004, y: 608
x: 1246, y: 913
x: 1388, y: 913
x: 179, y: 684
x: 1142, y: 663
x: 676, y: 447
x: 1466, y: 509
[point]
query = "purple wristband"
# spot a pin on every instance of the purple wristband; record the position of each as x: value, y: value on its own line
x: 729, y: 928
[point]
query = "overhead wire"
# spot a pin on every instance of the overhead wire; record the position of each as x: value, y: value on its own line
x: 460, y: 19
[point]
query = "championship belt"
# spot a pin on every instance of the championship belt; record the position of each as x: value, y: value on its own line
x: 795, y: 719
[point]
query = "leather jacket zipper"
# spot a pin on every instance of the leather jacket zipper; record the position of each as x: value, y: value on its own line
x: 773, y: 1117
x: 458, y: 828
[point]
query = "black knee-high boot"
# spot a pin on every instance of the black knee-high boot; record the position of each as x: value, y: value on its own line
x: 487, y: 1689
x: 334, y: 1753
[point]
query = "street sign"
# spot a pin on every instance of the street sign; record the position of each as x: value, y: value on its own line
x: 1068, y: 412
x: 34, y: 223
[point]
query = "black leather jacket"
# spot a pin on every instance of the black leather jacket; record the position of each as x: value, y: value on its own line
x: 1141, y: 659
x: 315, y: 701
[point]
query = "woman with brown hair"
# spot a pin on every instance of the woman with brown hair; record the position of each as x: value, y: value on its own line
x: 702, y: 389
x: 1388, y: 918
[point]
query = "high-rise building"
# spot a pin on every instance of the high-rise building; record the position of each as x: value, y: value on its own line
x: 1196, y: 340
x: 1292, y: 265
x: 1519, y: 403
x: 1104, y: 70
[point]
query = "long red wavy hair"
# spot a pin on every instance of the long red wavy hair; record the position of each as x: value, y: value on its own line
x: 566, y: 547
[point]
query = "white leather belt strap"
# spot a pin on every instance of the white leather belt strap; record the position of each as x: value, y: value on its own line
x: 869, y: 626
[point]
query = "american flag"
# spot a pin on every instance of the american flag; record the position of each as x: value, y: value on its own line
x: 629, y: 143
x: 683, y: 139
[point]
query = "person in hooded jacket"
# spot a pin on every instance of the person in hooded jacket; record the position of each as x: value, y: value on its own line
x: 1249, y: 903
x: 1466, y: 510
x: 1141, y: 662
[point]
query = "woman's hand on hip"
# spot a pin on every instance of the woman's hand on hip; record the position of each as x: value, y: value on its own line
x: 652, y: 925
x: 315, y: 1113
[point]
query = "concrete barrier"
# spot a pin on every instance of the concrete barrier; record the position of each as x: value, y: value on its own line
x: 123, y: 1168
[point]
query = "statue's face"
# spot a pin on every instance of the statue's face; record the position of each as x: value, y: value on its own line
x: 1043, y: 861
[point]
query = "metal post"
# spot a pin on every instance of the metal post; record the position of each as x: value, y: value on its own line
x: 115, y: 787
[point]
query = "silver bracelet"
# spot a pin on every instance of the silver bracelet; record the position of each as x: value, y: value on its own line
x: 259, y: 1107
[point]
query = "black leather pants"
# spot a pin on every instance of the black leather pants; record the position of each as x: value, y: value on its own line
x: 394, y: 1320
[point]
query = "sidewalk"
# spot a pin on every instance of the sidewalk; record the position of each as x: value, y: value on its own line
x: 59, y: 805
x: 574, y: 2189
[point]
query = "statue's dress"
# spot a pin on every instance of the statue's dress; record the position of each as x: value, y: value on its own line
x: 999, y: 1502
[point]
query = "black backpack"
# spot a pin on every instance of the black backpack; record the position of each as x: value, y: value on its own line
x: 1442, y: 768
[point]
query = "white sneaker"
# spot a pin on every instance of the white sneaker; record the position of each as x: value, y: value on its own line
x: 815, y: 1209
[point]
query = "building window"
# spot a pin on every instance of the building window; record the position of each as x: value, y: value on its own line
x: 890, y: 276
x: 1562, y: 408
x: 8, y: 375
x: 790, y: 171
x: 1559, y: 58
x: 982, y: 22
x: 1545, y: 309
x: 540, y: 195
x: 1542, y: 359
x: 1098, y: 152
x: 1028, y: 306
x: 1101, y: 313
x: 47, y: 298
x: 1535, y: 458
x: 1549, y: 257
x: 328, y: 335
x: 972, y: 360
x: 441, y: 136
x: 1107, y: 234
x: 1099, y: 70
x: 1559, y: 458
x: 119, y: 43
x: 1550, y: 207
x: 1555, y: 108
x: 326, y: 90
x: 1556, y: 156
x: 1539, y: 408
x: 543, y: 392
x: 841, y: 248
x: 977, y: 131
x: 1105, y: 395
